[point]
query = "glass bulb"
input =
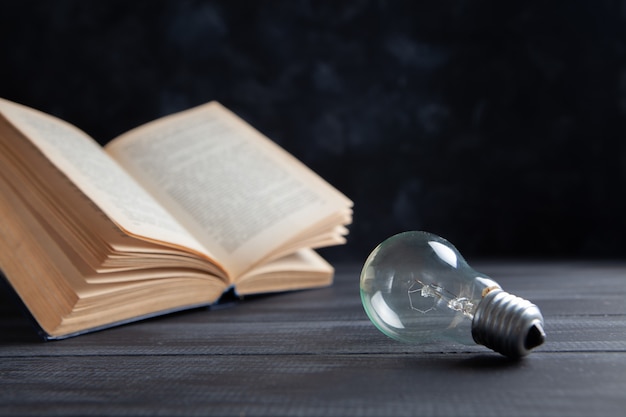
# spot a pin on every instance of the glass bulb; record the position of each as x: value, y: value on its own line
x: 416, y: 287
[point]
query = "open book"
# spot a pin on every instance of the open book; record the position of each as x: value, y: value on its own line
x: 166, y: 217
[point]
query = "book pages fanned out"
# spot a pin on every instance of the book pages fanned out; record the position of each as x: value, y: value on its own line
x: 167, y: 216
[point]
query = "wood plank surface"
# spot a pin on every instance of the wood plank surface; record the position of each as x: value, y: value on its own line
x: 313, y: 353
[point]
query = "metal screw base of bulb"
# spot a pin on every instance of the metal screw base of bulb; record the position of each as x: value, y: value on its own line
x: 508, y: 324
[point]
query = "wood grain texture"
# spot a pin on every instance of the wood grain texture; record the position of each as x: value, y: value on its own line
x: 314, y: 353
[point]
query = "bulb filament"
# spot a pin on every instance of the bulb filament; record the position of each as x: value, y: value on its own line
x: 442, y: 296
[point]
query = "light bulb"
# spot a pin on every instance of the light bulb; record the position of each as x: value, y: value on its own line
x: 416, y: 287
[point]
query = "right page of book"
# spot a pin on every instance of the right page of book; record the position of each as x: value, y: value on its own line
x: 236, y: 191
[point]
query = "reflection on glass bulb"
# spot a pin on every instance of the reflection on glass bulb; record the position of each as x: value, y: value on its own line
x: 416, y: 287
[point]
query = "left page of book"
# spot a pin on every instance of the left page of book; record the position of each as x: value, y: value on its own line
x: 100, y: 178
x: 72, y: 266
x: 51, y: 284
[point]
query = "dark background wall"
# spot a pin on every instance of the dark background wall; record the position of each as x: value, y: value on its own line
x: 499, y: 125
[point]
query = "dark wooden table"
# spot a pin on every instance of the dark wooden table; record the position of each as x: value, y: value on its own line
x: 316, y: 353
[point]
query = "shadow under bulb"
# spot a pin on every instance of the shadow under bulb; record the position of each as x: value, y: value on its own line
x: 416, y: 287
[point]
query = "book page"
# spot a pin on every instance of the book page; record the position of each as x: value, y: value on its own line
x: 240, y: 194
x: 301, y: 269
x: 99, y: 177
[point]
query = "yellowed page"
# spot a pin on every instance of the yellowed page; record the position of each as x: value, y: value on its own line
x: 43, y: 277
x: 301, y: 269
x: 99, y: 177
x: 241, y: 195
